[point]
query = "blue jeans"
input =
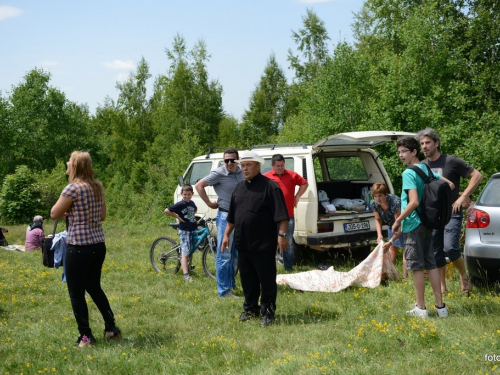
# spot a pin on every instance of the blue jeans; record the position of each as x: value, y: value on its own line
x: 446, y: 241
x: 288, y: 254
x: 226, y: 263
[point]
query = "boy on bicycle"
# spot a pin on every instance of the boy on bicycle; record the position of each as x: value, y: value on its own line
x: 184, y: 211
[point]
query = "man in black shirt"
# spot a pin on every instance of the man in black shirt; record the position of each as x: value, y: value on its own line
x: 446, y: 241
x: 257, y: 204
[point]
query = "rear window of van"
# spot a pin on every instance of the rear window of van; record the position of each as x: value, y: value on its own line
x: 289, y: 164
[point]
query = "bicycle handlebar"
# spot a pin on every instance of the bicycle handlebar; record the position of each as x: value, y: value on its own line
x: 209, y: 220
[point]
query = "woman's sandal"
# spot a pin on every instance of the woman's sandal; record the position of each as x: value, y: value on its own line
x: 85, y: 340
x: 114, y: 334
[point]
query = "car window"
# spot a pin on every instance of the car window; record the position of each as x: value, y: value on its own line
x: 317, y: 169
x: 197, y: 171
x: 345, y: 168
x: 267, y: 165
x: 491, y: 194
x: 289, y: 164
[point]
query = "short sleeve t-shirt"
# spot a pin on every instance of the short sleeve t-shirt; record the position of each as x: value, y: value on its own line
x: 452, y: 168
x: 186, y: 211
x: 287, y: 182
x: 224, y: 184
x: 412, y: 181
x: 85, y: 227
x: 393, y: 205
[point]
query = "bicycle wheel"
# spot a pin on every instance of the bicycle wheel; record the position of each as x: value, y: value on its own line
x: 208, y: 259
x: 165, y: 255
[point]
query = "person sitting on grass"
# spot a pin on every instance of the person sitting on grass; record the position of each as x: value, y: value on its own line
x: 184, y: 211
x: 34, y: 234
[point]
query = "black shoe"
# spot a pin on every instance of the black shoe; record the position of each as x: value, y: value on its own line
x: 247, y: 315
x: 266, y: 320
x: 85, y: 340
x: 117, y: 335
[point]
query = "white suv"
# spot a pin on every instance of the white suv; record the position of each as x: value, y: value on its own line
x: 341, y: 166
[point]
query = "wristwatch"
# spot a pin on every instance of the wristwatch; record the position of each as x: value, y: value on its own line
x: 284, y: 235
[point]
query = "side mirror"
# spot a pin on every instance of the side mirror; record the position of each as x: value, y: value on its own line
x: 180, y: 181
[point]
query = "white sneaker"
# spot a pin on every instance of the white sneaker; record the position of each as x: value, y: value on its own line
x: 442, y: 312
x: 417, y: 311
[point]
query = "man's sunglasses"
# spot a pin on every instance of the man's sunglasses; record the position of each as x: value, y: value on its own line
x: 230, y: 160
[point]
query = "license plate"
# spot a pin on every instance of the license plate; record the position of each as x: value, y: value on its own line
x: 360, y: 225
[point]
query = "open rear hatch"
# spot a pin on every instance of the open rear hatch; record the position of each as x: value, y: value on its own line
x: 366, y: 139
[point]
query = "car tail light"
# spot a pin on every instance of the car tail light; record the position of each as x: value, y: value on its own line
x: 478, y: 219
x: 325, y: 227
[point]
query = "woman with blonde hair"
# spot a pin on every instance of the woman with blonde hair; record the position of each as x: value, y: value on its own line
x: 82, y: 201
x: 386, y: 208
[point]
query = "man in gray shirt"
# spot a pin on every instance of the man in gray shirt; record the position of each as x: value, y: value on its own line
x: 223, y: 179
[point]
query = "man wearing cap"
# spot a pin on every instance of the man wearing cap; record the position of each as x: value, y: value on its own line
x: 287, y: 180
x: 257, y: 206
x: 224, y: 179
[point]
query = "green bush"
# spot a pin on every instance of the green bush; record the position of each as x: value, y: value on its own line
x: 50, y: 184
x: 20, y: 198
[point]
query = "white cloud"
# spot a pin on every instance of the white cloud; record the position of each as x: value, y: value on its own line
x: 9, y: 12
x: 313, y: 1
x: 121, y: 77
x: 119, y: 64
x: 50, y: 63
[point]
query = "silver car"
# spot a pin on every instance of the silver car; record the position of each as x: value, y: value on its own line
x: 482, y: 236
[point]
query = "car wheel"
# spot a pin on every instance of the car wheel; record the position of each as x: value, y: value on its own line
x: 476, y: 281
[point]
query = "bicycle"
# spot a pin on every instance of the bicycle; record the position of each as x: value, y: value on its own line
x: 165, y: 252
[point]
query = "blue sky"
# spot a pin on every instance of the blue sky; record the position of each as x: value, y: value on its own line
x: 88, y: 46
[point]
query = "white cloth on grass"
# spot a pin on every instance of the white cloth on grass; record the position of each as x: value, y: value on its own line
x: 367, y: 274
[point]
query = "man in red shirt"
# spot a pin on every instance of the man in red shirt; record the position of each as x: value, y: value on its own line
x: 287, y: 180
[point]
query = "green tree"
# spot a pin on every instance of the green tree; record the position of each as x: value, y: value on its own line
x: 132, y: 125
x: 19, y: 197
x: 186, y: 99
x: 415, y: 64
x: 267, y: 112
x: 311, y: 42
x: 7, y: 133
x: 42, y: 125
x: 229, y: 133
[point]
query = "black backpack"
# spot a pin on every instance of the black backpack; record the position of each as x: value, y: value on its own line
x: 435, y: 208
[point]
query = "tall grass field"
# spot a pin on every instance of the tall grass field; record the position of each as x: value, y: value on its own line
x: 173, y: 327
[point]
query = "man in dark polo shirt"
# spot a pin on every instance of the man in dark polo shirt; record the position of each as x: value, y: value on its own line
x: 257, y: 205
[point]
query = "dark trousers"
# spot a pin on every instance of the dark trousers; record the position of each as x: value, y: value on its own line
x: 83, y: 273
x: 258, y: 279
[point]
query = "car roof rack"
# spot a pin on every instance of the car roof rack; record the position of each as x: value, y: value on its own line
x: 272, y: 146
x: 211, y: 150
